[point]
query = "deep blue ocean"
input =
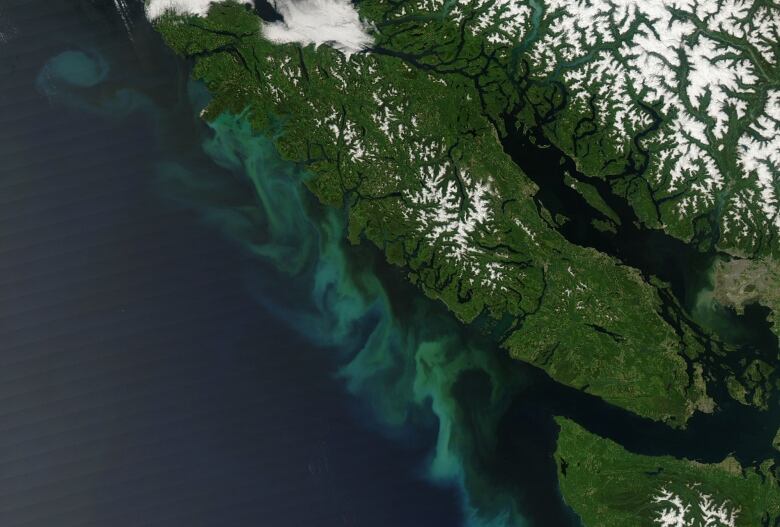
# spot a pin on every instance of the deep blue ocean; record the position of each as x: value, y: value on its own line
x: 142, y: 382
x: 186, y: 339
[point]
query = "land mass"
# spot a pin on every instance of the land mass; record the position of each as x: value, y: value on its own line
x: 609, y: 486
x: 425, y: 142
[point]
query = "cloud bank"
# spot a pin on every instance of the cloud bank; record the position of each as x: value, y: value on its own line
x: 335, y: 23
x: 156, y: 8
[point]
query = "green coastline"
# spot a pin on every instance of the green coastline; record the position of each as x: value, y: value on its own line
x: 406, y: 371
x: 589, y: 321
x: 553, y: 290
x: 609, y: 486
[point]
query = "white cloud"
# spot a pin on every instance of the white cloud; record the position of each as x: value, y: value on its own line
x: 332, y: 22
x: 156, y: 8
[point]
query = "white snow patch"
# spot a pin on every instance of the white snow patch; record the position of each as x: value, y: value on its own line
x: 675, y: 512
x: 332, y: 22
x: 695, y: 62
x: 447, y: 216
x: 759, y: 153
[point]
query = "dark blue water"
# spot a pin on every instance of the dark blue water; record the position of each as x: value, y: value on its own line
x: 140, y: 381
x: 180, y: 325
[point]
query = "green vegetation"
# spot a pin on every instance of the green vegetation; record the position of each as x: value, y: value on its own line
x: 434, y: 190
x: 609, y: 486
x: 776, y: 441
x: 405, y: 141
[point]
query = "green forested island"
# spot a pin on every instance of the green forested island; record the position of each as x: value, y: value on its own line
x: 555, y: 172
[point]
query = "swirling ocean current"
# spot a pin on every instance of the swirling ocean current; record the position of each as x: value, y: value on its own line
x: 219, y: 355
x: 188, y: 339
